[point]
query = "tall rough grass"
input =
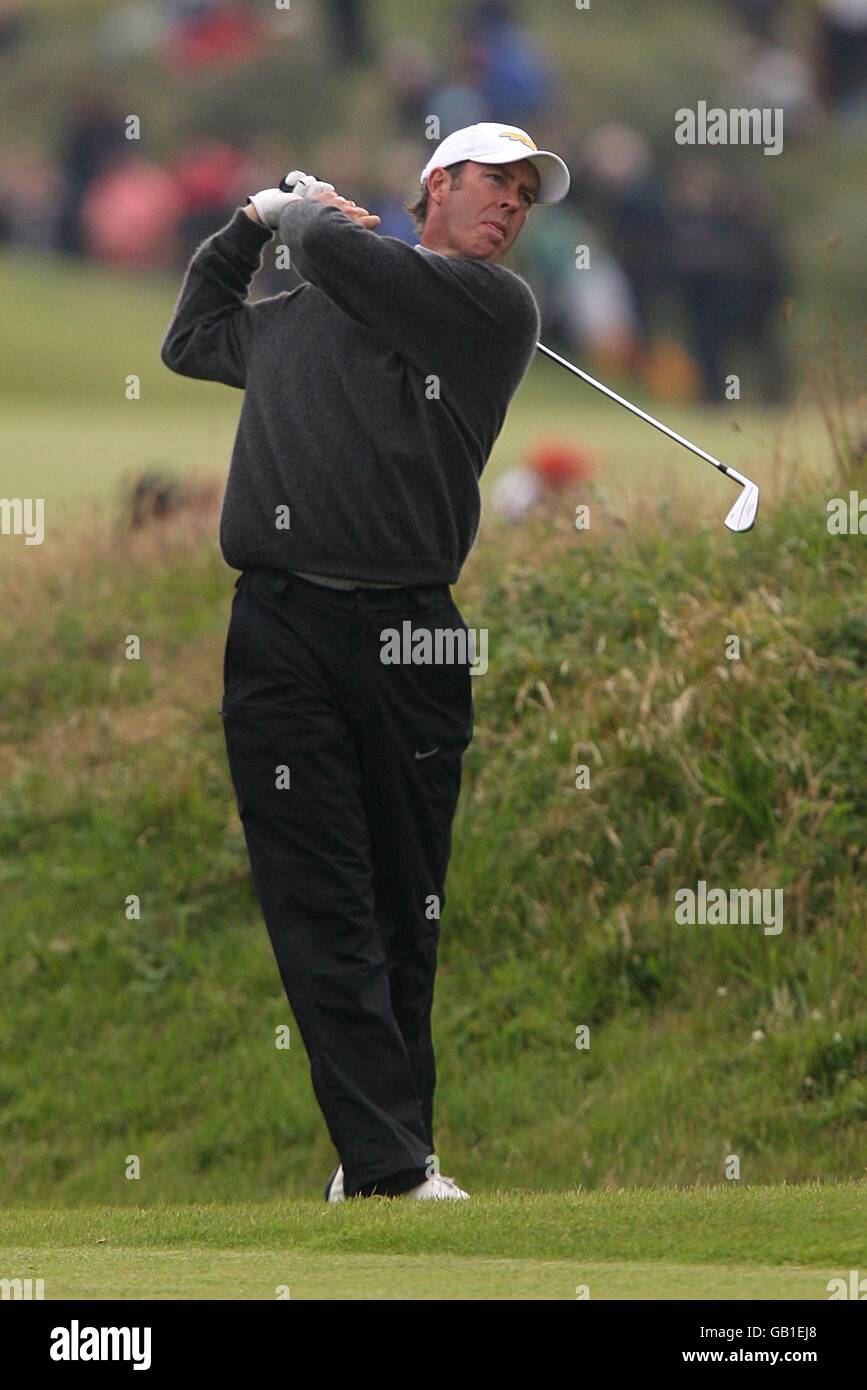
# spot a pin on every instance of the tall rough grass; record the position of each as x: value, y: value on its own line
x: 607, y: 649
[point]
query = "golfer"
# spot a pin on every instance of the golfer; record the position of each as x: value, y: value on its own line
x: 374, y: 393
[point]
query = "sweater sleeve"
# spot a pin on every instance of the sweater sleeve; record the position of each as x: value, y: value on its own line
x: 404, y: 296
x: 211, y: 330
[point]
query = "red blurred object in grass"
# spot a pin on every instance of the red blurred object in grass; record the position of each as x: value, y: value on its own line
x: 559, y: 463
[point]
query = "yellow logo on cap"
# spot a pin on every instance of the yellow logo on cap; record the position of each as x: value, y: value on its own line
x: 516, y: 135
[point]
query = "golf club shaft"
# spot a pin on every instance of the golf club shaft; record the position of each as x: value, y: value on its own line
x: 642, y: 415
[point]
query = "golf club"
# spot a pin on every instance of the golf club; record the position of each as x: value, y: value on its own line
x: 743, y: 513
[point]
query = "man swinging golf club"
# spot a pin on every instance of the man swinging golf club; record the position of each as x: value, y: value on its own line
x: 374, y: 394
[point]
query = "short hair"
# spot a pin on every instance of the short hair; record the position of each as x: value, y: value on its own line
x: 419, y: 209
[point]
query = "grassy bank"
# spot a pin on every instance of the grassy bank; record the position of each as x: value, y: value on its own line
x: 607, y: 648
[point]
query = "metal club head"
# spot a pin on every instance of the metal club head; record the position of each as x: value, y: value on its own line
x: 743, y: 513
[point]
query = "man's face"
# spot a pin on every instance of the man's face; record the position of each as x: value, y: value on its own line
x: 482, y: 216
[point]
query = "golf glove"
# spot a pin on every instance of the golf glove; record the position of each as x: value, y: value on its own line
x: 271, y: 201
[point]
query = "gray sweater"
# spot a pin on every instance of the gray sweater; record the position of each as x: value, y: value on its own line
x: 374, y: 393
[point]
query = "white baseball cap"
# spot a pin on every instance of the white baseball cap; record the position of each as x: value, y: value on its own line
x: 492, y: 143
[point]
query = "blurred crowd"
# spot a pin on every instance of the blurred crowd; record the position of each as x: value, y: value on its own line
x: 686, y: 256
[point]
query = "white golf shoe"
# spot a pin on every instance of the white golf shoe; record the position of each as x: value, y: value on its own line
x: 437, y: 1188
x: 334, y: 1186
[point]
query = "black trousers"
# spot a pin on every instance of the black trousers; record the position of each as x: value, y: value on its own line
x: 347, y: 772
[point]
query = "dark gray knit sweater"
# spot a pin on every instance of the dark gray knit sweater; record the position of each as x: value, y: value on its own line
x: 374, y: 393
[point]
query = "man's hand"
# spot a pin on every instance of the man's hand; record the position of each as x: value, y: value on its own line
x: 349, y: 208
x: 265, y: 207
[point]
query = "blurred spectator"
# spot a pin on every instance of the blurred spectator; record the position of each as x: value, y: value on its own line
x: 515, y: 78
x: 759, y: 17
x: 729, y: 267
x: 408, y: 72
x: 496, y: 72
x: 395, y: 178
x: 132, y: 214
x: 841, y: 55
x: 461, y: 101
x: 774, y: 77
x: 31, y: 190
x: 588, y: 309
x: 209, y: 176
x: 94, y: 139
x: 212, y: 33
x: 130, y: 30
x: 619, y: 190
x: 604, y: 310
x: 545, y: 253
x: 14, y: 23
x: 348, y: 24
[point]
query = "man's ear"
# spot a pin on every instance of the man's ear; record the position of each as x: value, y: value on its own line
x: 438, y: 181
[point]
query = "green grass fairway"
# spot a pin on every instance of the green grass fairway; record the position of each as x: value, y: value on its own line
x: 71, y: 435
x: 164, y: 1273
x: 719, y: 1243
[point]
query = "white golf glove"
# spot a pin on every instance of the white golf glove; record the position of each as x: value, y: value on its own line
x: 271, y: 201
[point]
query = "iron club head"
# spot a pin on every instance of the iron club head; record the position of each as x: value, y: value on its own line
x: 743, y: 513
